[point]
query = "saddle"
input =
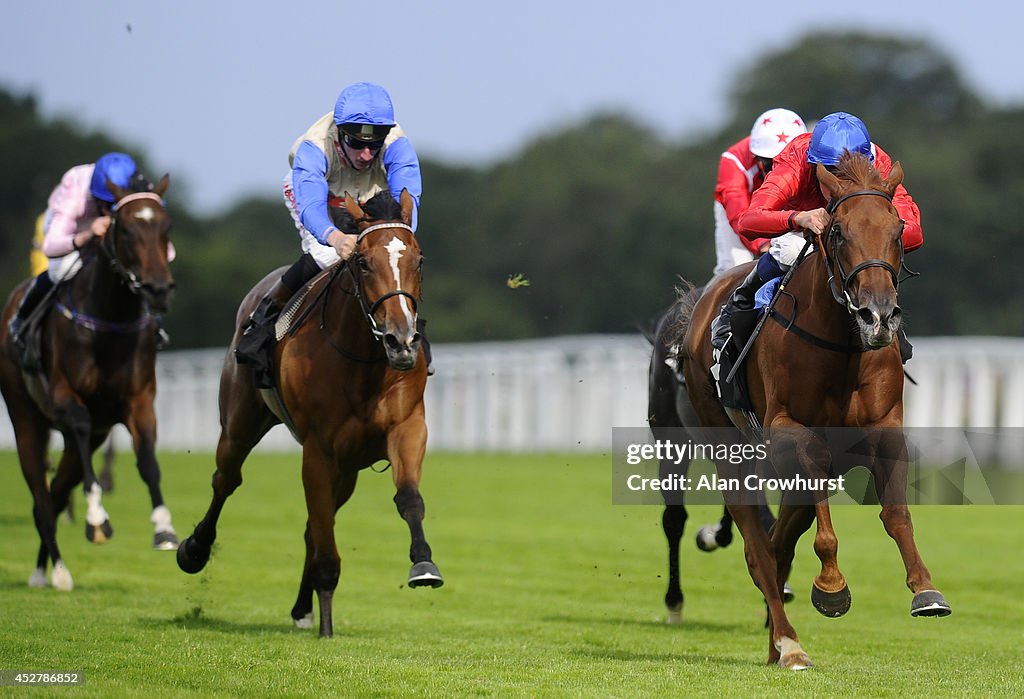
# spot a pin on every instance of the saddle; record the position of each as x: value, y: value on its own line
x: 741, y: 324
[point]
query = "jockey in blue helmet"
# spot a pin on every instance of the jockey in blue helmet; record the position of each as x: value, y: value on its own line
x: 836, y: 133
x: 78, y: 210
x: 358, y: 149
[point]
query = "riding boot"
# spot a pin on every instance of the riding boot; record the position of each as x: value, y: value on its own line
x: 741, y: 300
x: 421, y: 328
x: 258, y: 335
x: 906, y: 349
x: 41, y: 285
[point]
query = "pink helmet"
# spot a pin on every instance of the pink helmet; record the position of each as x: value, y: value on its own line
x: 773, y: 130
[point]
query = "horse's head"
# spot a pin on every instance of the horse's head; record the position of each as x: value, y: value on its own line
x: 137, y: 243
x: 863, y: 246
x: 387, y: 267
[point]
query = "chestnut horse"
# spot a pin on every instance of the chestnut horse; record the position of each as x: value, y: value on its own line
x: 97, y: 368
x: 831, y: 361
x: 350, y: 379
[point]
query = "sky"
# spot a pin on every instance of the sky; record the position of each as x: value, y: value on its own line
x: 216, y: 91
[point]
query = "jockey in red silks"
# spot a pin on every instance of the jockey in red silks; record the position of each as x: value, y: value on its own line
x: 742, y: 170
x: 791, y: 200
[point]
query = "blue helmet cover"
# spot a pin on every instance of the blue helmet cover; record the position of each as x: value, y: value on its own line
x: 836, y: 133
x: 116, y: 167
x: 364, y: 103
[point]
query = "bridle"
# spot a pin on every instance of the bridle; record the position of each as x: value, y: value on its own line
x: 835, y: 266
x: 109, y: 244
x: 370, y: 308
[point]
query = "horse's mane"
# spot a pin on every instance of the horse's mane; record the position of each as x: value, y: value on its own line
x: 381, y: 207
x: 857, y: 168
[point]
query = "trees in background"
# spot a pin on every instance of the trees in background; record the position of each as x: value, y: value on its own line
x: 603, y: 218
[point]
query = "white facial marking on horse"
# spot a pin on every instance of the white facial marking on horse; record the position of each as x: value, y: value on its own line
x: 395, y: 248
x: 146, y: 213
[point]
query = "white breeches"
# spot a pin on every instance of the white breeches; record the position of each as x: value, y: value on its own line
x: 729, y: 250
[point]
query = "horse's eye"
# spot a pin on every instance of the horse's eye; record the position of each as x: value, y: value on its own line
x: 364, y: 264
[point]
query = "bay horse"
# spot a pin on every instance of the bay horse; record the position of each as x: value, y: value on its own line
x: 97, y: 368
x: 831, y: 361
x: 350, y: 378
x: 668, y: 410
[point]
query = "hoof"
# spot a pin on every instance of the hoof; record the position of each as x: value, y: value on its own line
x: 929, y: 603
x: 425, y: 574
x: 60, y: 577
x: 792, y: 656
x: 706, y: 540
x: 831, y: 604
x: 165, y: 541
x: 101, y: 534
x: 306, y: 622
x: 38, y: 578
x: 675, y: 614
x: 192, y: 557
x: 787, y: 593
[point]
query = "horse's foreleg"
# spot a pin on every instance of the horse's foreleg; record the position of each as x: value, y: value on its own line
x: 890, y: 475
x: 142, y: 426
x: 406, y: 446
x: 326, y: 488
x: 795, y: 450
x: 302, y: 610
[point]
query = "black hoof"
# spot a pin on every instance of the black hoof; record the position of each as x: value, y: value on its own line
x: 929, y: 603
x: 425, y: 574
x: 99, y: 535
x: 831, y: 604
x: 192, y: 557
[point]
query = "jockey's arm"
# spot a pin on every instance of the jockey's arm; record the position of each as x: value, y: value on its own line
x: 309, y: 183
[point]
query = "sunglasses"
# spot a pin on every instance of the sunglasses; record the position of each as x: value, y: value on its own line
x: 359, y: 144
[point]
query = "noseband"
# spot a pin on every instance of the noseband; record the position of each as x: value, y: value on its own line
x: 842, y: 293
x: 370, y: 308
x: 109, y: 245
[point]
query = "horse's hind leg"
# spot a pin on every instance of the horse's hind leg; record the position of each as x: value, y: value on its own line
x: 406, y: 447
x: 142, y: 425
x: 673, y: 521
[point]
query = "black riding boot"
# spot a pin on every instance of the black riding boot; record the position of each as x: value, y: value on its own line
x: 741, y: 300
x: 258, y: 335
x: 421, y: 328
x: 41, y: 285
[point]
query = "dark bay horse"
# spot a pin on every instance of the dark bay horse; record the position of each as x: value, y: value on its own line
x: 669, y: 409
x: 830, y: 362
x: 97, y: 351
x: 350, y: 378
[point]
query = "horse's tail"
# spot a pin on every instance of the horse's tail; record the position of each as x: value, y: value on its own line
x: 686, y: 298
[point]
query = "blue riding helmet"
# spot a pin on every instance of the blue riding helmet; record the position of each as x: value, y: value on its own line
x: 116, y: 167
x: 836, y: 133
x: 364, y: 111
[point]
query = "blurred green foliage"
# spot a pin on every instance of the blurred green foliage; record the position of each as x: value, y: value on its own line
x: 604, y: 216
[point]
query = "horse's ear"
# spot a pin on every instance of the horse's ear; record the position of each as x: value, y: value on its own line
x: 829, y: 181
x: 162, y: 185
x: 353, y: 208
x: 895, y: 177
x: 406, y: 200
x: 115, y: 190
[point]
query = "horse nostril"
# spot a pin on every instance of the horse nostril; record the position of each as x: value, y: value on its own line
x: 392, y: 342
x: 866, y: 316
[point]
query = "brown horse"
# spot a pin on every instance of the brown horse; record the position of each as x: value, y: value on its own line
x: 350, y: 379
x: 97, y: 359
x: 830, y: 362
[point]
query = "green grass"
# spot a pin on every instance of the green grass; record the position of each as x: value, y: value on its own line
x: 550, y: 591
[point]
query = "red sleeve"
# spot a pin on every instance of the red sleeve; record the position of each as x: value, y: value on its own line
x: 767, y: 216
x: 732, y: 191
x: 913, y: 236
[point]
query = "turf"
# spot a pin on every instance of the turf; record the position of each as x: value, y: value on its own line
x: 550, y: 591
